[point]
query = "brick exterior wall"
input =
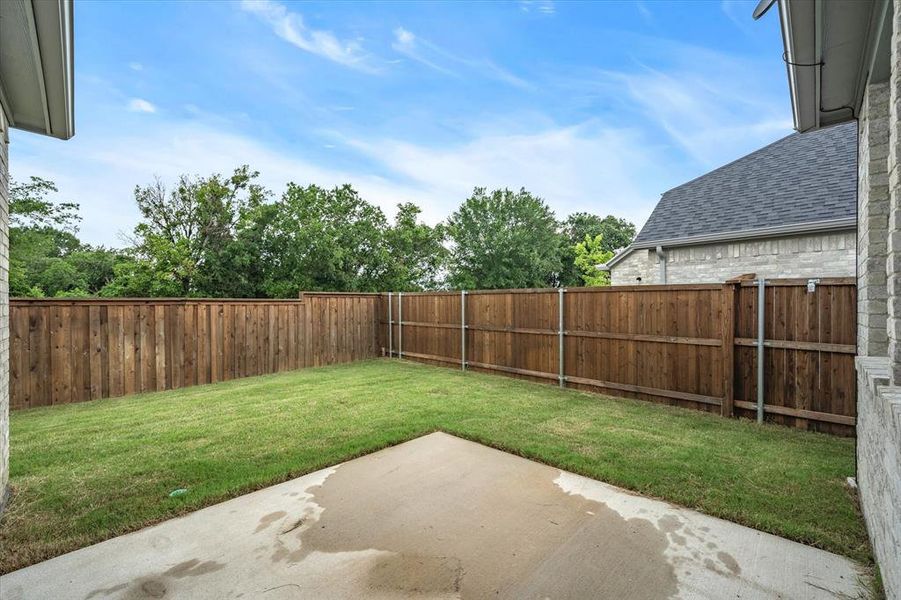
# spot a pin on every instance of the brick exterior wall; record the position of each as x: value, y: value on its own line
x: 893, y: 252
x: 879, y: 466
x: 4, y: 309
x: 879, y: 363
x: 872, y: 215
x: 809, y: 255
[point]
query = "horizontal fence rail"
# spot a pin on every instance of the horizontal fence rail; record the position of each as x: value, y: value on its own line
x: 65, y: 351
x: 688, y: 345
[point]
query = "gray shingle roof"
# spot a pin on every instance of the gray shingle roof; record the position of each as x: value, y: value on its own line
x: 802, y: 178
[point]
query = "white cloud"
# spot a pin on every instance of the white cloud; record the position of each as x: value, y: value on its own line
x: 135, y: 66
x: 739, y: 12
x: 707, y: 119
x: 437, y: 58
x: 290, y: 27
x: 587, y: 167
x: 713, y: 106
x: 407, y: 44
x: 644, y: 11
x: 545, y: 7
x: 141, y: 105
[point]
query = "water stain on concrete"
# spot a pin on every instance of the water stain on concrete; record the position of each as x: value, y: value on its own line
x: 157, y: 586
x: 106, y: 591
x: 193, y: 568
x: 488, y: 532
x: 730, y: 562
x: 145, y: 588
x: 669, y: 523
x: 416, y: 575
x: 267, y: 520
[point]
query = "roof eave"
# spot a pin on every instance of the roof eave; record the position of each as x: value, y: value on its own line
x: 48, y: 46
x: 827, y: 82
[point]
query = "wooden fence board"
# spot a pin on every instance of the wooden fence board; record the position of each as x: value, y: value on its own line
x: 75, y: 350
x: 686, y: 345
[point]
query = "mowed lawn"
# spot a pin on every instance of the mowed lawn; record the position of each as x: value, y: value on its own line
x: 85, y: 472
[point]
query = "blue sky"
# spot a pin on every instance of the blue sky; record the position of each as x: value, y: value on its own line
x: 596, y: 107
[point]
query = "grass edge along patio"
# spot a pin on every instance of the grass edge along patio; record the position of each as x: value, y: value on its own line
x: 86, y: 472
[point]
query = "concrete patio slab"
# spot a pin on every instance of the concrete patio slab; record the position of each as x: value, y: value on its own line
x: 440, y: 517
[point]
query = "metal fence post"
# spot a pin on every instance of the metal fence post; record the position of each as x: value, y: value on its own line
x: 562, y: 377
x: 390, y: 330
x: 463, y: 329
x: 400, y: 324
x: 761, y: 306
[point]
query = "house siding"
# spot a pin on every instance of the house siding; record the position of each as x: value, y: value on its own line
x: 811, y: 255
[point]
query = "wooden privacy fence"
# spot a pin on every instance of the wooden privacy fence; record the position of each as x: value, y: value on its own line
x: 687, y: 345
x: 74, y: 350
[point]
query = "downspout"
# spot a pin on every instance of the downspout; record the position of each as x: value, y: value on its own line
x: 661, y: 263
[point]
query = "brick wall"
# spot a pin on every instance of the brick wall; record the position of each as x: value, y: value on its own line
x: 4, y: 308
x: 872, y: 217
x: 879, y: 465
x: 879, y: 376
x: 809, y: 255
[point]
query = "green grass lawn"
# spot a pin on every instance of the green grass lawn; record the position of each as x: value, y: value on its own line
x: 85, y: 472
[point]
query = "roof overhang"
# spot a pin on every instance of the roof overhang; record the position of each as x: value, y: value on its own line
x: 832, y: 225
x: 37, y: 86
x: 833, y: 49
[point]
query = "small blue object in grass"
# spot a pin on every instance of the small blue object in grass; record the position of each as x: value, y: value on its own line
x: 178, y: 492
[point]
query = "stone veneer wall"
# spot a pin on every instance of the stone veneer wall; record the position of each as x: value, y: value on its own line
x: 879, y: 466
x: 879, y: 376
x: 809, y: 255
x: 4, y: 308
x: 872, y: 221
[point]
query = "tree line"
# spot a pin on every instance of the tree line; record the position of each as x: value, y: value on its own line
x: 221, y: 236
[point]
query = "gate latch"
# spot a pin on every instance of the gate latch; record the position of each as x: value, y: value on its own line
x: 812, y: 285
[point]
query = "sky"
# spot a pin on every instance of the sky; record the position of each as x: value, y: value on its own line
x: 597, y: 107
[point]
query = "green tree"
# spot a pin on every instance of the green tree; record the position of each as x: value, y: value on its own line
x: 184, y: 237
x: 416, y: 252
x: 503, y: 239
x: 46, y: 257
x: 324, y: 239
x: 60, y: 277
x: 589, y: 253
x: 30, y: 208
x: 615, y: 232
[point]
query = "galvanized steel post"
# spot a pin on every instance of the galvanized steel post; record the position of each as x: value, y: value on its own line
x: 390, y: 330
x: 562, y: 377
x: 761, y: 306
x: 463, y: 329
x: 400, y: 324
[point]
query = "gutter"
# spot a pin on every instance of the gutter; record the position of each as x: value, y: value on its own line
x: 661, y: 264
x: 747, y: 234
x: 788, y: 44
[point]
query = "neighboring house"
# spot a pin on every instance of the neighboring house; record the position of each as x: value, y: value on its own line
x: 786, y: 210
x: 844, y: 65
x: 36, y: 94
